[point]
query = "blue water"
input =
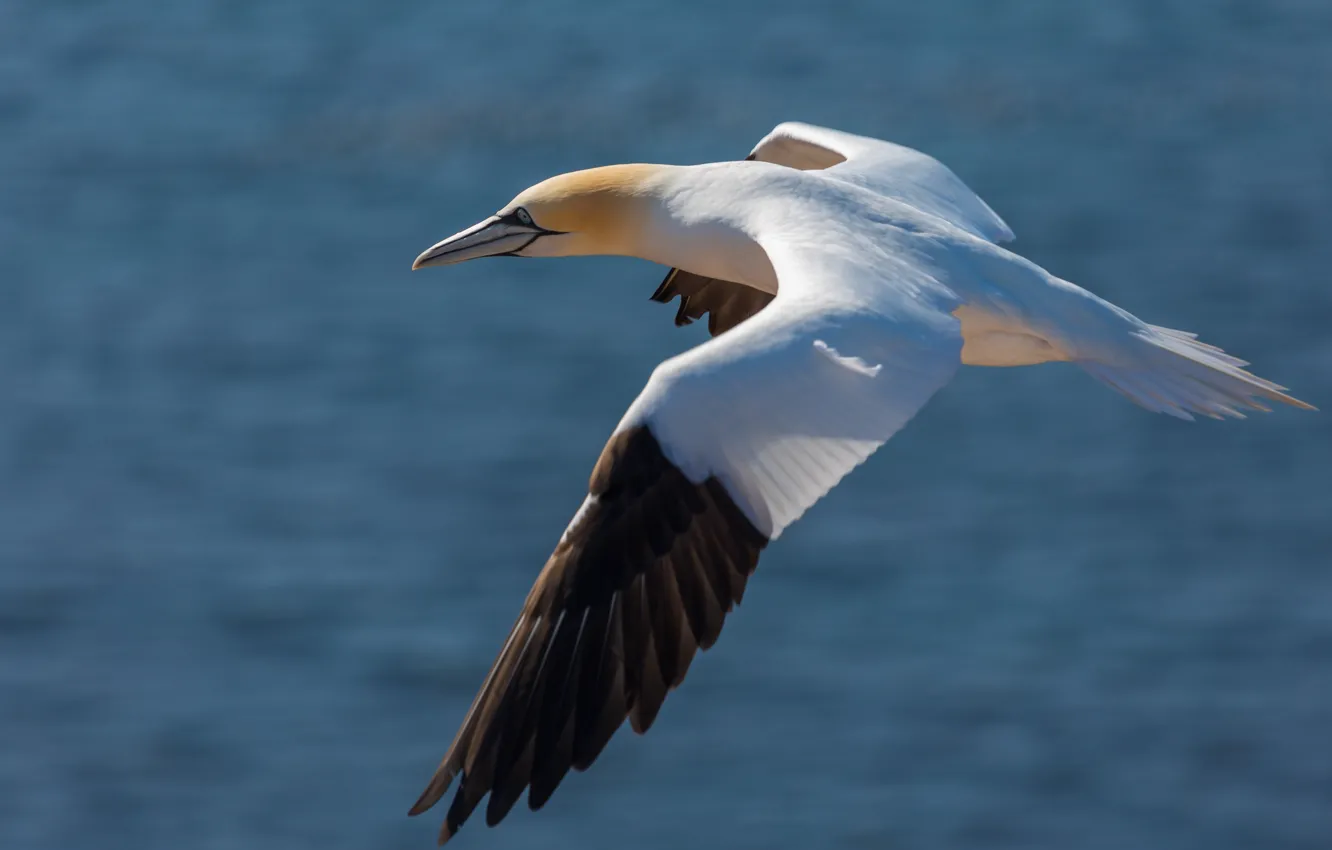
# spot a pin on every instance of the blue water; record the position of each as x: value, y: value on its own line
x: 258, y: 483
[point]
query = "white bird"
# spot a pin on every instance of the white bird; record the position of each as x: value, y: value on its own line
x: 846, y: 279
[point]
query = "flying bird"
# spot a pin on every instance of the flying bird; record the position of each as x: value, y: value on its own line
x: 844, y: 280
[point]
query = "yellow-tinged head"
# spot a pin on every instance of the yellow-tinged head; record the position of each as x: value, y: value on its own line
x: 597, y: 211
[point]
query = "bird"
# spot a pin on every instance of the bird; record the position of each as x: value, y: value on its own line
x: 845, y: 280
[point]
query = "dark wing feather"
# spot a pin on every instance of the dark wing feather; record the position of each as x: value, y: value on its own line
x: 640, y: 581
x: 726, y: 304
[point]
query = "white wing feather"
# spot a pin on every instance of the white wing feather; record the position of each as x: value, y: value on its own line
x: 780, y: 408
x: 893, y: 171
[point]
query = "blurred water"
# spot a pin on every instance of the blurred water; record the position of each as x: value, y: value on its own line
x: 258, y: 482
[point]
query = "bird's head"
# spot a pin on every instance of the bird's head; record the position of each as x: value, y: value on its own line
x: 597, y: 211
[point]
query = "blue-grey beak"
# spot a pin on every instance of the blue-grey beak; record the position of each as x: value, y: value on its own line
x: 496, y: 236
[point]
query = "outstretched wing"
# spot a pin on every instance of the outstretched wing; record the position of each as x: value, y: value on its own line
x: 897, y: 172
x: 641, y: 580
x: 891, y: 170
x: 727, y: 445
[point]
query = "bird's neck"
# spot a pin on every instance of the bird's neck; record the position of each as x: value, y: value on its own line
x: 690, y: 217
x: 692, y: 224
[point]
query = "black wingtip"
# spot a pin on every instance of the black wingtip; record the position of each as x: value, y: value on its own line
x: 665, y: 292
x: 570, y: 681
x: 422, y: 805
x: 445, y: 833
x: 682, y: 316
x: 433, y: 793
x: 428, y: 798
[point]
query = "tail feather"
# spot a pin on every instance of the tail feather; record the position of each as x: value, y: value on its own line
x: 1191, y: 340
x: 1171, y: 372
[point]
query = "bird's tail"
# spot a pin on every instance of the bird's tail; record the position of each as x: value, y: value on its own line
x: 1172, y: 372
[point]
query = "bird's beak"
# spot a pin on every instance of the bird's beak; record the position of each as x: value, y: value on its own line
x: 493, y: 237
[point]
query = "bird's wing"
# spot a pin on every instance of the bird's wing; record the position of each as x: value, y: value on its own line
x: 897, y: 172
x: 727, y: 444
x: 726, y: 304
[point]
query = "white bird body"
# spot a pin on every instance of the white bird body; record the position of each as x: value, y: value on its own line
x: 866, y: 274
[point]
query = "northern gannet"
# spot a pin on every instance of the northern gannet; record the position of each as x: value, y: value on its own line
x: 845, y: 279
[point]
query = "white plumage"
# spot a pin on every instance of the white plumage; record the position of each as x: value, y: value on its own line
x: 887, y: 259
x: 848, y: 279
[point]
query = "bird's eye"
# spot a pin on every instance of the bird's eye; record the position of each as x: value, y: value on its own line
x: 523, y: 216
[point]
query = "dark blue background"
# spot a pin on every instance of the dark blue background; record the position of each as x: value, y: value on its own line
x: 269, y: 503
